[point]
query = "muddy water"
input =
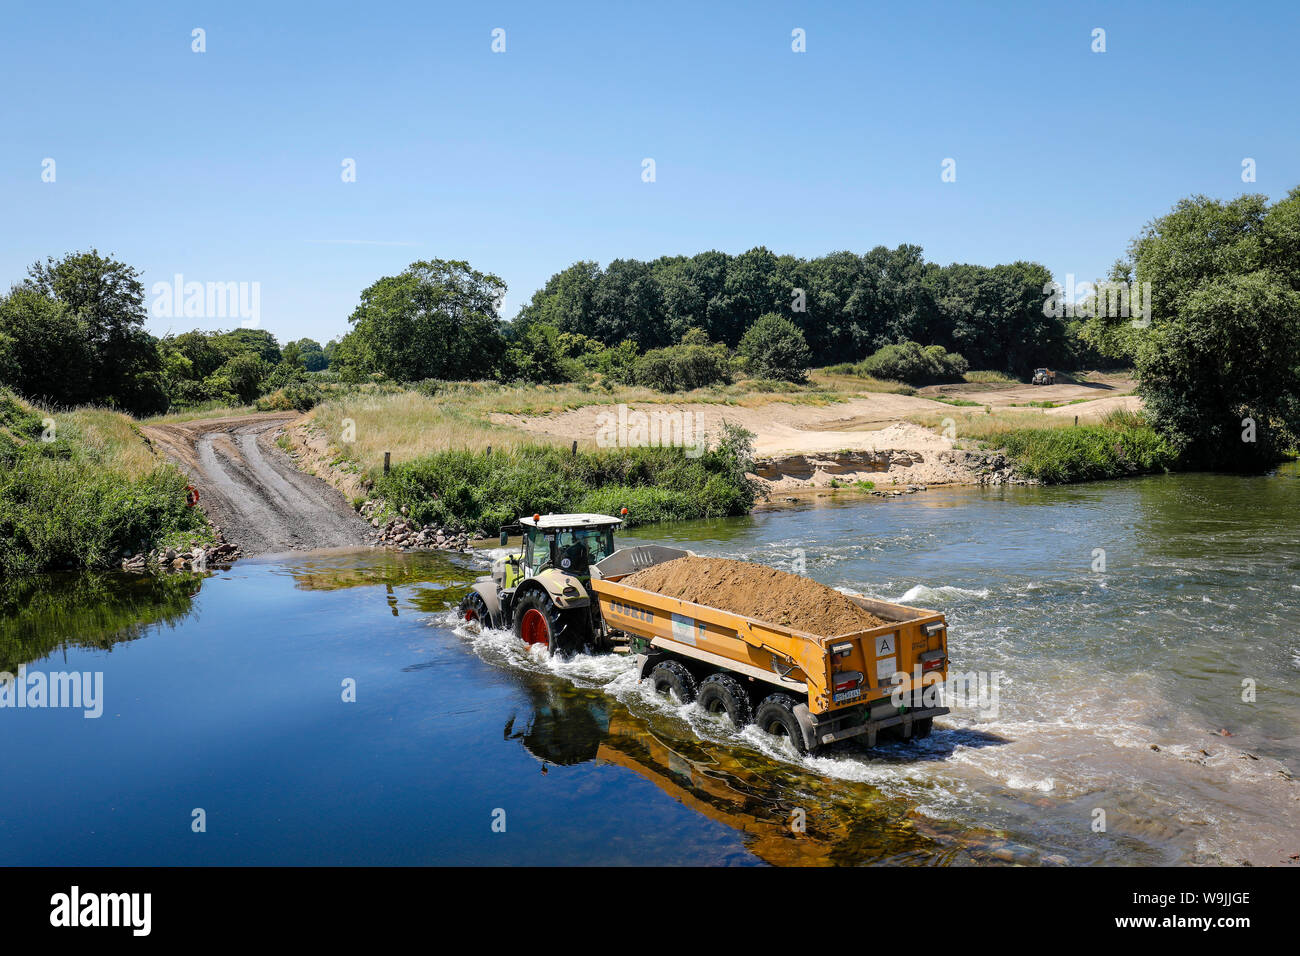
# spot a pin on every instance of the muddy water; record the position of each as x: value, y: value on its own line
x: 1113, y: 686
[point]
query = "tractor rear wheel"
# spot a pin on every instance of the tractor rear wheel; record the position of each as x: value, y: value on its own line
x: 722, y: 694
x: 539, y: 622
x: 673, y: 680
x: 775, y: 716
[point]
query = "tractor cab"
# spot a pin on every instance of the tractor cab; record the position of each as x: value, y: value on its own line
x: 571, y: 543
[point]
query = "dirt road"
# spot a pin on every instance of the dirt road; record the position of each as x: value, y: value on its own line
x: 251, y: 489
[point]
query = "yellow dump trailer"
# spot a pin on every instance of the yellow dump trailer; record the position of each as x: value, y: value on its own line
x: 816, y: 689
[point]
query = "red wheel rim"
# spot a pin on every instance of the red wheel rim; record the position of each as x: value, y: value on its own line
x: 533, y: 628
x: 470, y: 614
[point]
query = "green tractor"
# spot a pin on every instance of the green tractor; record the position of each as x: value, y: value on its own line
x: 542, y: 590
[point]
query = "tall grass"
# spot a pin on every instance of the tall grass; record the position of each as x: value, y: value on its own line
x: 1124, y: 443
x: 472, y: 490
x: 459, y: 416
x: 853, y: 377
x: 80, y: 492
x: 990, y: 377
x: 1054, y: 450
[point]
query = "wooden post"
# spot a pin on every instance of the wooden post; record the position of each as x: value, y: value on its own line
x: 387, y: 460
x: 489, y: 451
x: 574, y: 449
x: 1076, y: 419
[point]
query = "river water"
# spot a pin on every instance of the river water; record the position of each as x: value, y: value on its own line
x: 1137, y: 644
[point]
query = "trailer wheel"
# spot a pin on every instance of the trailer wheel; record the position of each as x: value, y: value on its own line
x: 474, y: 608
x: 674, y: 680
x: 775, y: 716
x: 539, y: 621
x: 722, y: 694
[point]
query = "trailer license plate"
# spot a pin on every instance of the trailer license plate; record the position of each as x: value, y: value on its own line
x: 844, y: 695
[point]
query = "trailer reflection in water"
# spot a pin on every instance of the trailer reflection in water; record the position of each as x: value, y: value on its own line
x: 786, y: 820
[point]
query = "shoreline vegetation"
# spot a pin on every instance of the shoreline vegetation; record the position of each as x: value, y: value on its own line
x: 81, y: 490
x: 90, y: 491
x: 892, y: 338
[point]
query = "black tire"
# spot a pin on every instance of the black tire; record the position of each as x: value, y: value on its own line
x: 922, y: 728
x: 775, y: 715
x: 564, y: 631
x: 674, y: 680
x: 474, y: 608
x: 722, y: 694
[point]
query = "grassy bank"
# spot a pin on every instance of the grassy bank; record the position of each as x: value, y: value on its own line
x: 443, y: 416
x: 1054, y: 450
x: 1122, y: 444
x: 79, y: 488
x: 473, y: 490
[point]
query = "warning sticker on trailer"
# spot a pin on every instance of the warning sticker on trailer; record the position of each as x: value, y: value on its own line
x: 687, y: 629
x: 886, y: 658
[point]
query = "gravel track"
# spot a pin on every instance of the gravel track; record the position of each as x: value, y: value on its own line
x: 252, y: 490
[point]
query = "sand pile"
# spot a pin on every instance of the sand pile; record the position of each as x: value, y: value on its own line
x: 756, y: 591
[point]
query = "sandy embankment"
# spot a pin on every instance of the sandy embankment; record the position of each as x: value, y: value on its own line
x: 865, y: 438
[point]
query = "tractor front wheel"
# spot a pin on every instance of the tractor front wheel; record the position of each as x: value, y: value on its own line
x: 475, y: 610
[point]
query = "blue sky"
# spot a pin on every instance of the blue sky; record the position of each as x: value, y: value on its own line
x: 225, y: 166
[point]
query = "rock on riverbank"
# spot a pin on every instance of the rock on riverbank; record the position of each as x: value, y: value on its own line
x: 402, y: 533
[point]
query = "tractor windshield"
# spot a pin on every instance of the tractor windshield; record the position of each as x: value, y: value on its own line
x: 598, y: 541
x: 543, y: 547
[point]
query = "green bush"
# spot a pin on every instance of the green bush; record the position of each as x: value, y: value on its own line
x: 57, y: 512
x: 915, y: 364
x: 774, y: 348
x: 471, y: 490
x: 1123, y: 444
x: 299, y: 396
x: 61, y: 506
x: 680, y: 368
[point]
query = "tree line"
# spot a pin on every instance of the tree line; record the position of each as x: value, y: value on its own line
x: 1217, y: 359
x: 72, y: 333
x: 847, y: 305
x: 760, y: 314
